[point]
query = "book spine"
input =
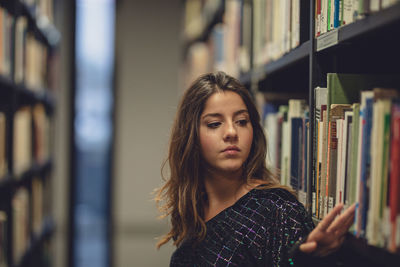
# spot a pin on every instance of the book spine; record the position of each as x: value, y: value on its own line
x: 296, y: 143
x: 329, y: 18
x: 336, y: 15
x: 318, y: 18
x: 394, y: 190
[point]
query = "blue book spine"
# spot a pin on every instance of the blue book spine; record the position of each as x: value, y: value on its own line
x: 336, y: 20
x: 367, y: 166
x: 296, y: 152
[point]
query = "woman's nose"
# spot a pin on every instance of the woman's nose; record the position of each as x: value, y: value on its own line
x: 230, y: 132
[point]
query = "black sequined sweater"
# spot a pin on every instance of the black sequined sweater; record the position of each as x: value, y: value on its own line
x: 258, y: 230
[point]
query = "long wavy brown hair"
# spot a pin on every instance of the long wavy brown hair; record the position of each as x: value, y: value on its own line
x: 183, y: 195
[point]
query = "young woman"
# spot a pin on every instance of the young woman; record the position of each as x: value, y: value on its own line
x: 226, y: 207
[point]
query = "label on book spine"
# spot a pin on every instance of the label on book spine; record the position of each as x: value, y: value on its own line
x: 330, y: 204
x: 325, y: 206
x: 302, y: 197
x: 313, y: 204
x: 327, y: 40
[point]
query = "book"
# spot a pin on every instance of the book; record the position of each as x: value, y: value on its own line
x: 337, y: 112
x: 3, y: 155
x: 346, y: 159
x: 20, y: 227
x: 347, y: 12
x: 379, y: 157
x: 353, y: 160
x: 3, y: 239
x: 296, y: 152
x: 394, y: 189
x: 317, y: 18
x: 22, y: 142
x: 321, y: 99
x: 285, y: 148
x: 295, y: 128
x: 337, y: 13
x: 41, y: 134
x: 364, y: 162
x: 323, y: 201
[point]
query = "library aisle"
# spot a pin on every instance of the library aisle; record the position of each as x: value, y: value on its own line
x: 146, y: 98
x: 320, y: 69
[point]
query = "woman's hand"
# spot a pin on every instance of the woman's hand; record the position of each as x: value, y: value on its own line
x: 330, y: 233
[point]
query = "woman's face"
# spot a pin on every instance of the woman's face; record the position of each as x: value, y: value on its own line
x: 226, y: 133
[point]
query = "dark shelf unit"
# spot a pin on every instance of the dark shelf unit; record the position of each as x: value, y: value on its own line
x: 13, y: 96
x: 368, y: 45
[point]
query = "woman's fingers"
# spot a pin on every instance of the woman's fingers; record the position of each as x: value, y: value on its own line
x: 344, y: 221
x: 346, y: 225
x: 326, y: 222
x: 308, y: 247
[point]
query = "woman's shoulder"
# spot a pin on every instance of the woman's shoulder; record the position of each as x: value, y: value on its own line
x: 273, y: 193
x: 276, y: 199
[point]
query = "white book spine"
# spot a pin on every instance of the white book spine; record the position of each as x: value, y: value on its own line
x: 324, y: 16
x: 347, y: 12
x: 295, y: 28
x: 339, y: 172
x: 332, y: 14
x: 374, y: 5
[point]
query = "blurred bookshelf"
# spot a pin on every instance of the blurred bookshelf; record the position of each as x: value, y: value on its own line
x: 28, y: 81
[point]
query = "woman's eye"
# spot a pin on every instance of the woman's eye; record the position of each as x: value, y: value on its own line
x: 213, y: 125
x: 242, y: 122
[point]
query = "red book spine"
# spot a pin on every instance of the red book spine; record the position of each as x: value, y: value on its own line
x: 317, y: 17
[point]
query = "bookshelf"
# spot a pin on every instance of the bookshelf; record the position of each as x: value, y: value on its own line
x: 27, y: 103
x: 368, y: 45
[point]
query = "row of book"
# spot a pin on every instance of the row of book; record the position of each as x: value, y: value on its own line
x: 356, y: 152
x: 332, y: 14
x: 279, y: 26
x: 29, y: 56
x: 29, y: 209
x: 222, y: 49
x: 262, y: 30
x: 31, y: 139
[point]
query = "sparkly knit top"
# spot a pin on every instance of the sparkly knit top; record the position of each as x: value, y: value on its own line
x: 258, y: 230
